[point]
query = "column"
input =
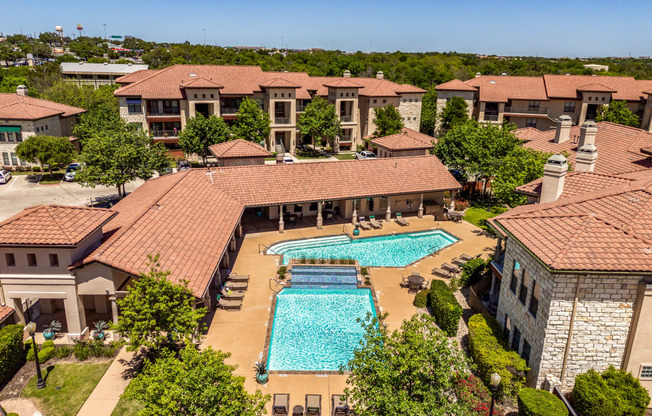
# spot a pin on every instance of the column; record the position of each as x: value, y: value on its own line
x: 320, y: 219
x: 75, y: 314
x: 232, y: 244
x: 499, y: 250
x: 388, y: 213
x: 420, y: 212
x: 493, y: 284
x: 354, y: 217
x: 452, y: 207
x: 238, y: 230
x: 114, y: 309
x: 100, y: 304
x: 225, y: 261
x: 17, y: 305
x: 281, y: 224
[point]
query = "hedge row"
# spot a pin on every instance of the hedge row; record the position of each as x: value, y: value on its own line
x: 472, y: 271
x: 12, y: 355
x: 532, y: 402
x: 612, y: 393
x: 445, y: 307
x: 421, y: 299
x: 491, y: 355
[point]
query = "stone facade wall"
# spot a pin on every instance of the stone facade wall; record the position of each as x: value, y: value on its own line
x: 132, y: 118
x: 27, y: 128
x: 410, y: 109
x: 444, y: 96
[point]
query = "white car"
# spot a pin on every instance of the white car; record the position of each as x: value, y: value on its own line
x: 288, y: 160
x: 365, y: 154
x: 71, y: 171
x: 5, y: 176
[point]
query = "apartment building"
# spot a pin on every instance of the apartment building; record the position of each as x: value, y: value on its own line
x: 161, y: 101
x: 538, y: 102
x: 97, y: 74
x: 22, y: 116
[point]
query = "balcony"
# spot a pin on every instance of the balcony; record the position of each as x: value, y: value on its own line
x: 490, y: 117
x: 164, y: 113
x: 281, y: 120
x: 229, y: 110
x: 345, y: 138
x: 160, y: 134
x: 527, y: 110
x: 346, y: 119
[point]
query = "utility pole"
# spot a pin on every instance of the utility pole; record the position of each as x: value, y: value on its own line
x: 281, y: 42
x: 204, y: 37
x: 105, y: 38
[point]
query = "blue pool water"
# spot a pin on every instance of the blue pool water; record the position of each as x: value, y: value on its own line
x: 342, y: 277
x: 397, y: 250
x: 315, y: 329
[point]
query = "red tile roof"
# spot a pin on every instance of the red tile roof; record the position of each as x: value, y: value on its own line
x: 503, y: 88
x: 278, y: 83
x: 342, y: 83
x: 595, y: 87
x: 455, y: 85
x: 52, y: 225
x: 577, y: 183
x: 619, y: 147
x: 238, y: 148
x: 5, y: 312
x: 408, y: 139
x: 566, y: 86
x: 19, y: 107
x: 199, y: 82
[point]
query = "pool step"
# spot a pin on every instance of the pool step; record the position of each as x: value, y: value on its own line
x: 280, y: 248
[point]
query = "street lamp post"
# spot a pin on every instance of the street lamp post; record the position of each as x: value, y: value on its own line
x: 31, y: 329
x: 495, y: 382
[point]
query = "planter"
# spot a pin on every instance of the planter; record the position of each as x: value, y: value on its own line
x: 98, y: 335
x: 259, y: 213
x: 262, y: 378
x: 49, y: 335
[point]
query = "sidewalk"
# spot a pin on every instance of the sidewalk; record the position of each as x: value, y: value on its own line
x: 106, y: 394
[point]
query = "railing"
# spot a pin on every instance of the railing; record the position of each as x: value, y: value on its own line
x: 282, y: 120
x: 165, y: 133
x: 490, y: 117
x: 526, y: 110
x: 155, y: 113
x: 260, y: 245
x: 345, y: 138
x: 229, y: 110
x: 346, y: 119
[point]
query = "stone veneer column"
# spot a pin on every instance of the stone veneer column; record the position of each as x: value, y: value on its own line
x: 238, y: 230
x: 420, y: 212
x: 232, y: 244
x: 281, y: 224
x: 320, y: 220
x: 354, y: 217
x: 388, y: 213
x: 114, y: 309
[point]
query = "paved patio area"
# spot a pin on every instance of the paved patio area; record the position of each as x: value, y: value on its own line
x: 242, y: 333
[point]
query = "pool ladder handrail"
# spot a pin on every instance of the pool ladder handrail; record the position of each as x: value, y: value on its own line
x: 345, y: 231
x: 268, y: 249
x: 279, y: 282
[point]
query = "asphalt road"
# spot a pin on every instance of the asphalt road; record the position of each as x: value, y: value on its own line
x: 22, y: 192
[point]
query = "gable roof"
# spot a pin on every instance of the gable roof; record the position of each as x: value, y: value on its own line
x: 53, y: 225
x: 407, y: 139
x: 5, y: 312
x: 455, y: 85
x: 576, y: 183
x: 19, y: 107
x: 238, y: 148
x: 278, y: 83
x: 199, y: 82
x: 622, y: 88
x: 503, y: 88
x: 342, y: 83
x: 595, y: 87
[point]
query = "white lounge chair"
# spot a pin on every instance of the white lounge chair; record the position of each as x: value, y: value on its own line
x: 364, y: 224
x: 374, y: 223
x: 400, y: 220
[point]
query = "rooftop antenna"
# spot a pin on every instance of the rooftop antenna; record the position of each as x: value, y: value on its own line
x: 104, y: 24
x: 204, y: 37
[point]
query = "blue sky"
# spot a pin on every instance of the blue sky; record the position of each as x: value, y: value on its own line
x: 539, y: 28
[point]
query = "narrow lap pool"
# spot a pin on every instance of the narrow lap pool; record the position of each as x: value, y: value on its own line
x: 396, y: 250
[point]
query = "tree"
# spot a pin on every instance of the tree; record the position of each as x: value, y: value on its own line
x: 252, y: 123
x: 201, y: 132
x: 156, y: 311
x: 115, y: 157
x: 194, y: 383
x: 411, y: 371
x: 520, y: 166
x: 50, y: 38
x: 429, y: 112
x: 454, y: 113
x: 46, y: 150
x: 319, y: 120
x: 388, y: 121
x: 617, y: 112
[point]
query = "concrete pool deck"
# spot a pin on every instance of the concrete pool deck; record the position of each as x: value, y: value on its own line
x: 242, y: 333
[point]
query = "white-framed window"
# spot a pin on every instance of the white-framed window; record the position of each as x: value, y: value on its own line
x: 646, y: 371
x: 531, y: 122
x: 569, y: 107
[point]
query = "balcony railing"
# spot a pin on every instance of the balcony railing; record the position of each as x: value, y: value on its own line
x: 229, y: 110
x: 490, y: 117
x: 526, y: 110
x: 165, y: 133
x: 163, y: 113
x: 346, y: 119
x: 345, y: 138
x: 282, y: 120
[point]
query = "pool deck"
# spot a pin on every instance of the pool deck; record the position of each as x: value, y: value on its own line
x: 242, y: 333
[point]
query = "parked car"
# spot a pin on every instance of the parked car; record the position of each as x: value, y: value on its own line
x: 183, y: 165
x: 365, y: 154
x: 5, y: 176
x: 288, y: 160
x: 71, y: 171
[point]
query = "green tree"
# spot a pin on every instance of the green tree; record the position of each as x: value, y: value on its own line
x: 617, y: 112
x: 410, y: 371
x: 319, y: 120
x: 454, y: 113
x: 50, y: 38
x: 520, y: 166
x: 252, y: 123
x: 115, y: 157
x: 156, y: 311
x: 193, y: 383
x: 388, y: 121
x: 429, y: 112
x: 201, y: 132
x: 46, y: 150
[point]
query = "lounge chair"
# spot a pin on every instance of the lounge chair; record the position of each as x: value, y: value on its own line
x: 238, y: 278
x: 340, y: 406
x: 364, y: 224
x: 442, y: 273
x: 233, y: 295
x: 313, y: 404
x: 459, y: 261
x: 229, y: 304
x: 374, y: 223
x: 450, y: 267
x: 400, y: 220
x: 466, y: 257
x: 237, y: 285
x: 281, y: 405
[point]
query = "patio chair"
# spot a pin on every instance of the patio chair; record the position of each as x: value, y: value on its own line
x: 238, y: 278
x: 466, y: 257
x: 233, y: 295
x: 459, y: 261
x: 374, y: 223
x: 329, y: 216
x: 237, y: 285
x: 414, y: 287
x: 455, y: 216
x: 340, y: 406
x: 442, y: 273
x: 450, y: 267
x: 404, y: 282
x: 400, y: 220
x: 364, y: 224
x: 426, y: 284
x: 229, y: 304
x: 281, y: 405
x: 313, y: 404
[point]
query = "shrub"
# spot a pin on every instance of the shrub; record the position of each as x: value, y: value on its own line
x: 364, y: 271
x: 612, y: 393
x: 491, y: 355
x: 45, y: 354
x: 421, y: 299
x: 532, y: 402
x: 62, y: 352
x: 48, y: 344
x: 475, y: 395
x: 471, y: 271
x: 36, y: 168
x: 12, y: 354
x: 81, y: 351
x: 312, y: 261
x: 445, y: 308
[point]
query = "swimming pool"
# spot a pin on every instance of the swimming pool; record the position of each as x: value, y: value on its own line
x: 396, y: 250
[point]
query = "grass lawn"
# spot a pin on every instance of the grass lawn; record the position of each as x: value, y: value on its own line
x: 68, y: 387
x: 47, y: 180
x: 271, y: 158
x: 345, y: 156
x: 127, y: 407
x: 478, y: 215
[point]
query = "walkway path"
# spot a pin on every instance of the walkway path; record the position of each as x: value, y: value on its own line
x: 106, y: 394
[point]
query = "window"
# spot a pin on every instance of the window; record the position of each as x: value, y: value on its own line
x: 534, y: 302
x: 212, y: 95
x: 603, y: 98
x: 416, y: 100
x: 404, y: 100
x: 290, y: 94
x: 19, y: 137
x: 516, y: 340
x: 134, y: 106
x: 46, y: 127
x: 525, y: 283
x: 5, y: 158
x: 569, y: 107
x: 646, y: 372
x: 589, y: 98
x: 31, y: 259
x: 384, y: 101
x: 3, y: 137
x: 531, y: 122
x: 195, y: 95
x: 347, y: 94
x: 533, y: 105
x: 515, y: 273
x: 313, y: 206
x: 375, y: 101
x: 507, y: 327
x: 341, y: 94
x: 54, y: 260
x: 14, y: 159
x: 203, y: 96
x: 526, y: 352
x: 10, y: 259
x: 282, y: 95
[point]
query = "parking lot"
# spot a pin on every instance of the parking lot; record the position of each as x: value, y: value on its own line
x: 23, y: 191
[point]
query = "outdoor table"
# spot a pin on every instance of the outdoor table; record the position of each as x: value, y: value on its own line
x: 417, y: 279
x: 297, y: 410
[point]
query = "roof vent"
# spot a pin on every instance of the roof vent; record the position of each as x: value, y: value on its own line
x: 492, y: 82
x: 568, y: 75
x: 192, y: 74
x: 478, y: 75
x: 504, y: 74
x: 380, y: 75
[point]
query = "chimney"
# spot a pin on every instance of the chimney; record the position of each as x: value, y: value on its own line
x: 586, y: 158
x: 554, y: 173
x: 588, y: 131
x: 347, y: 74
x: 380, y: 75
x: 563, y: 128
x: 478, y: 75
x: 21, y: 90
